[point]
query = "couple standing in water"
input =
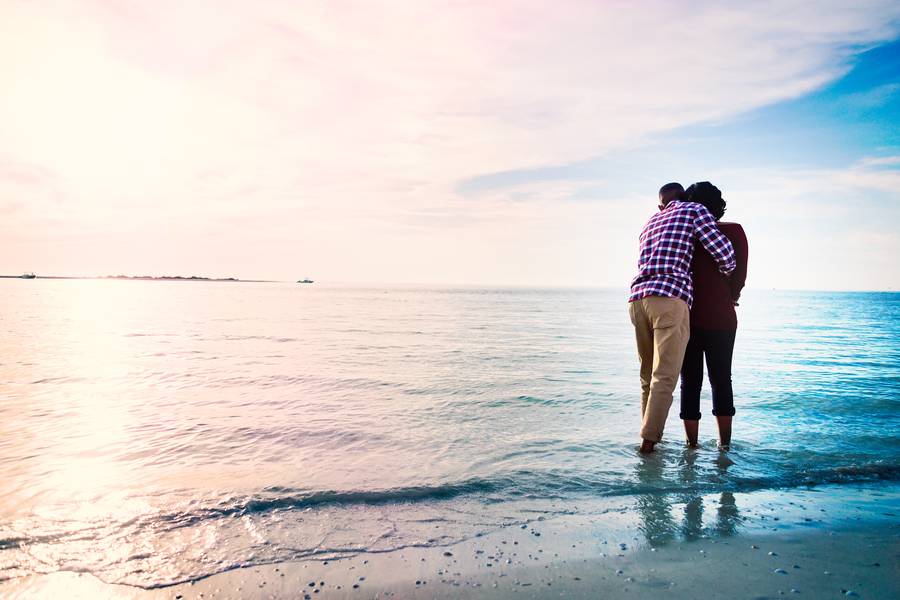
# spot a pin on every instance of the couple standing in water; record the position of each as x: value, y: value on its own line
x: 691, y: 272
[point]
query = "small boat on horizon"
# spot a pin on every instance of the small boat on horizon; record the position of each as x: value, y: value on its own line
x: 27, y: 276
x: 304, y: 281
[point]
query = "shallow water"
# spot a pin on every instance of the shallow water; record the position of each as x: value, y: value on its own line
x: 155, y: 432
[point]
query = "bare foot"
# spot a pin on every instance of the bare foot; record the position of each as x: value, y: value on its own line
x: 647, y: 447
x: 724, y: 423
x: 691, y: 431
x: 724, y: 447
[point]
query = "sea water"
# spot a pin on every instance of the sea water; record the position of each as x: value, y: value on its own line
x: 156, y: 432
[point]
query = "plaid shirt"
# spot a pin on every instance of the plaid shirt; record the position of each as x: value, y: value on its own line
x: 667, y: 247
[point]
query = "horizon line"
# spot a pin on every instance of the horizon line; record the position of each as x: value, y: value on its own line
x: 375, y: 284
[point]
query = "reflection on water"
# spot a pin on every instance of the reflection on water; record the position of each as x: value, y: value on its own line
x: 655, y: 509
x: 679, y: 515
x: 727, y: 515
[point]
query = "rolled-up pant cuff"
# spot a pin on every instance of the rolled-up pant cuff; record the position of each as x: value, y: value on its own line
x: 689, y: 417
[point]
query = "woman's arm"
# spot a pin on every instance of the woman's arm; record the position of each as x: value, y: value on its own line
x: 716, y: 243
x: 739, y: 275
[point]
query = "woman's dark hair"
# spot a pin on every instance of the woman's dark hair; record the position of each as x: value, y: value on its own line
x: 708, y: 195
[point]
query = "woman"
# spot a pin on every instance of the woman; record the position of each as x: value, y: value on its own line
x: 713, y: 323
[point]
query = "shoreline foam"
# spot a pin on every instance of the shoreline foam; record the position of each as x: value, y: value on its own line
x: 679, y: 545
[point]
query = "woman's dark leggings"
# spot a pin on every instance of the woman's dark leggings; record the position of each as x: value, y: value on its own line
x: 718, y: 346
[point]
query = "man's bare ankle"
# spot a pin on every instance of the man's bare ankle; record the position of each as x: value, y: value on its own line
x: 647, y: 446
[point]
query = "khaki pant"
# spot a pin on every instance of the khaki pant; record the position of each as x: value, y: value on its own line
x: 662, y: 328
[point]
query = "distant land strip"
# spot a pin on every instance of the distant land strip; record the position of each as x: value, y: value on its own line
x: 145, y: 278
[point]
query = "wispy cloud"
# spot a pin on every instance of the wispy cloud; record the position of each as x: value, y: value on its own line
x: 881, y: 161
x: 21, y: 183
x: 869, y: 99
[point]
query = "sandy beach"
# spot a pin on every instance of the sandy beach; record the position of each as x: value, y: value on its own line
x: 826, y: 542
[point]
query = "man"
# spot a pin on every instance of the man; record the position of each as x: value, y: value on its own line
x: 661, y: 297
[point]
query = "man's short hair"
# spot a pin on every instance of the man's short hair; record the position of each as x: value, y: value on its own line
x: 671, y: 191
x: 671, y: 187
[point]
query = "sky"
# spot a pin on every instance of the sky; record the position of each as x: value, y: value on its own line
x: 444, y: 142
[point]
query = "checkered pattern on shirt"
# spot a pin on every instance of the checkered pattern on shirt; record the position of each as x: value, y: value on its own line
x: 667, y: 247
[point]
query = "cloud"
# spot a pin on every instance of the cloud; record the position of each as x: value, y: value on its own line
x: 356, y: 122
x: 869, y: 99
x: 24, y: 185
x: 819, y: 228
x: 879, y: 174
x: 881, y: 161
x: 856, y: 181
x: 809, y: 228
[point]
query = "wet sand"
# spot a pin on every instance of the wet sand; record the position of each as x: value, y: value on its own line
x: 828, y: 542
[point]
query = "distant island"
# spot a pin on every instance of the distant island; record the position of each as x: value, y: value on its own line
x: 169, y: 278
x: 140, y: 278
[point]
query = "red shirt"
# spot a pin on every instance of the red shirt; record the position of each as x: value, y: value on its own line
x: 714, y: 293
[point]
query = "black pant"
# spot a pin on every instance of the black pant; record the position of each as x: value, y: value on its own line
x: 718, y: 346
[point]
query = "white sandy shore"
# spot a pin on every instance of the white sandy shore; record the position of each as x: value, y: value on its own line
x: 830, y: 542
